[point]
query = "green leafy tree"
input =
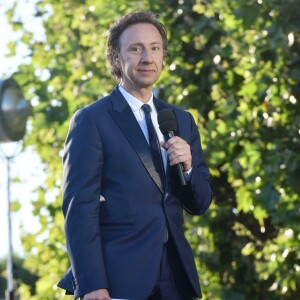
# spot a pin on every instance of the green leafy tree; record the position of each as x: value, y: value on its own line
x: 21, y: 275
x: 239, y: 68
x: 235, y: 65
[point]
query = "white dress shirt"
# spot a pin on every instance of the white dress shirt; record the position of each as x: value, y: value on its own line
x: 136, y: 107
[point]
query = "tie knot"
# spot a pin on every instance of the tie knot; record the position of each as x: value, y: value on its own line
x: 146, y: 108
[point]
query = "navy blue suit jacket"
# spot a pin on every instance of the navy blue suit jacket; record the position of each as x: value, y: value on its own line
x: 117, y: 243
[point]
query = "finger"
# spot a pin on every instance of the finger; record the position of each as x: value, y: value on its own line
x: 175, y: 159
x: 173, y: 140
x: 179, y: 149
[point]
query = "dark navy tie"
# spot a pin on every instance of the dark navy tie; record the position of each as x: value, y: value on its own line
x: 154, y: 143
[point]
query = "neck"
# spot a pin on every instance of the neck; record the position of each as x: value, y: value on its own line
x: 142, y: 94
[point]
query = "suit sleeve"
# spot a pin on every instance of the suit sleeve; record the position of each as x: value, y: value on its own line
x: 197, y: 195
x: 83, y: 161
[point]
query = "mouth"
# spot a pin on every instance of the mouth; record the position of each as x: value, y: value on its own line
x: 146, y: 71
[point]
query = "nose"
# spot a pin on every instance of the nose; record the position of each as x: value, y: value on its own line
x: 146, y: 56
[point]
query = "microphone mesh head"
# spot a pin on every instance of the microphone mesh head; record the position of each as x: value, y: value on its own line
x: 167, y: 121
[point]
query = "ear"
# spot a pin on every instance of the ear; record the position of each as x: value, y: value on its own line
x: 117, y: 60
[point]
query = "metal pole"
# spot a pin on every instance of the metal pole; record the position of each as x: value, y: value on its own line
x: 10, y: 269
x: 10, y: 293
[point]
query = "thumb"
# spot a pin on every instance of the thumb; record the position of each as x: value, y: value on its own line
x: 163, y: 145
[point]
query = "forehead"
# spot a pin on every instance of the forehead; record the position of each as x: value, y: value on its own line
x: 142, y: 33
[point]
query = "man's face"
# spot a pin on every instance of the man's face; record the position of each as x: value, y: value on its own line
x: 141, y: 56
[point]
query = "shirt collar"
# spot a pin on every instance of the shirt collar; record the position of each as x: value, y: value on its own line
x: 135, y: 103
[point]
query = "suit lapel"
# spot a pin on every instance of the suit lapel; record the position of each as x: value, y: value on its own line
x: 125, y: 119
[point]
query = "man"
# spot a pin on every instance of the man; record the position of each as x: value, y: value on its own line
x: 123, y: 219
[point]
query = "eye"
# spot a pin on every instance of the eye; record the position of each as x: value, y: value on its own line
x: 155, y: 48
x: 136, y: 49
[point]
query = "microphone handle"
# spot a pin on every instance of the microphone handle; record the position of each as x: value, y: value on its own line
x: 179, y: 167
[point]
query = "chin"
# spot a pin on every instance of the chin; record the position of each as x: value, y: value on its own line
x: 146, y: 83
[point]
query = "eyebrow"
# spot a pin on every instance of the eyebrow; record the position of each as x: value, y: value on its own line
x: 142, y: 44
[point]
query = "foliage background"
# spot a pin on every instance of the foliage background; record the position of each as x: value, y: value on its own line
x: 235, y: 65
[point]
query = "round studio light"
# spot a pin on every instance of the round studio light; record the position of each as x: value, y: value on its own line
x: 14, y: 111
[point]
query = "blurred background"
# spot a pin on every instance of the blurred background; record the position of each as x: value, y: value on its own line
x: 235, y: 65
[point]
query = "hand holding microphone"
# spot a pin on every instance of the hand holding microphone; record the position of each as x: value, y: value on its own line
x: 179, y: 152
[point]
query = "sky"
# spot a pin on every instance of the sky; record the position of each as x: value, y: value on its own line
x: 26, y: 166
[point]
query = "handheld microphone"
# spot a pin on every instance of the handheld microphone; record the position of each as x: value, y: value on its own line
x: 168, y: 126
